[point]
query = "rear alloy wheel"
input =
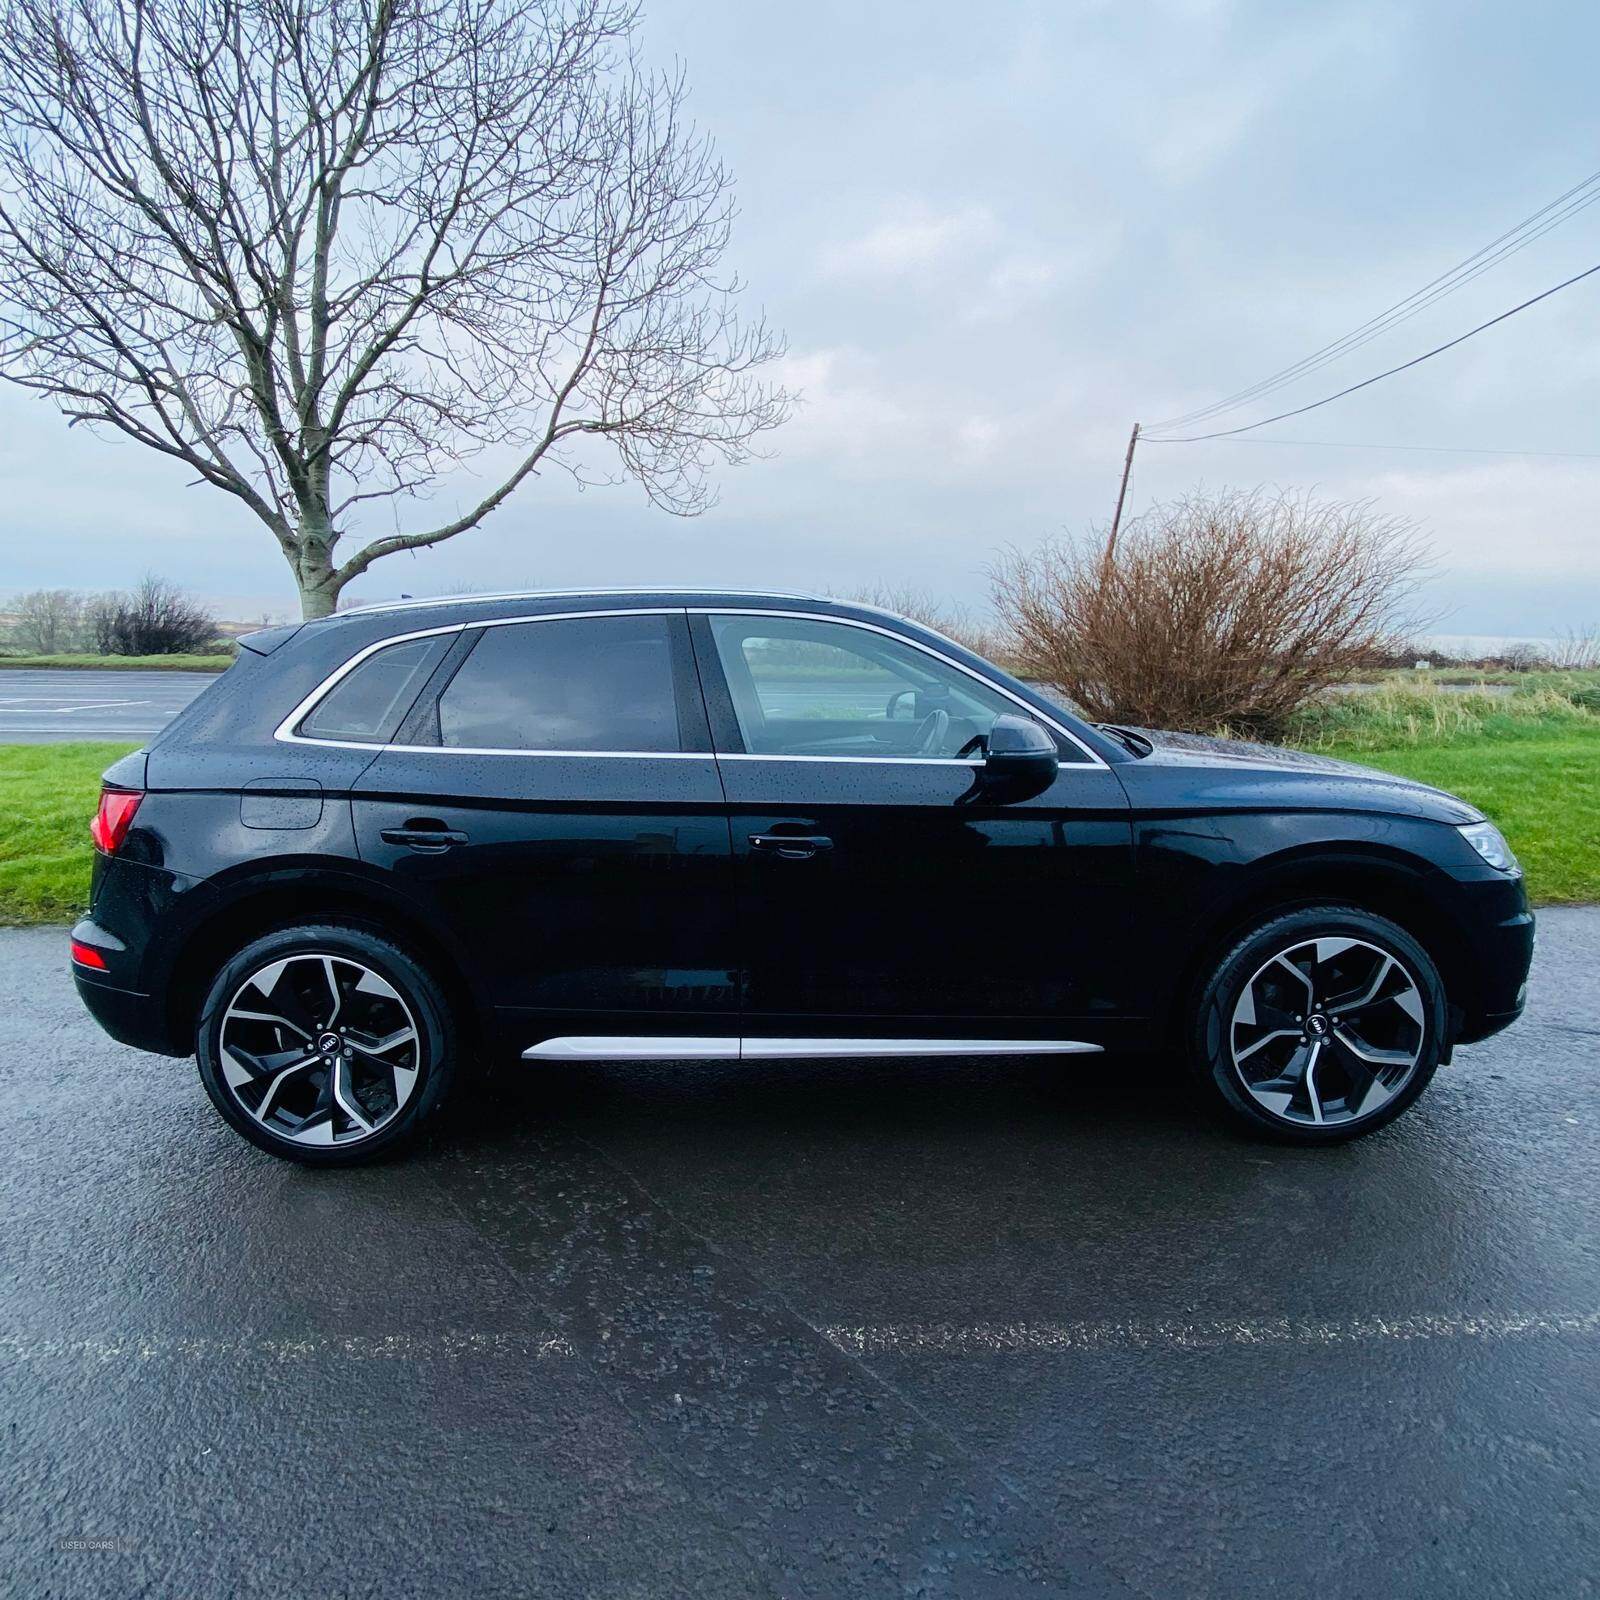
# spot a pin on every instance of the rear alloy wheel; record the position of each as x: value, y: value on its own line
x: 1322, y: 1025
x: 324, y: 1045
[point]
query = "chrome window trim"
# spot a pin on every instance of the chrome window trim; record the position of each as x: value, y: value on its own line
x: 285, y: 732
x: 875, y: 761
x: 490, y: 750
x: 1095, y: 758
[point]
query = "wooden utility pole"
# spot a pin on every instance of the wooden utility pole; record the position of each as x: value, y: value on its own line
x: 1122, y: 494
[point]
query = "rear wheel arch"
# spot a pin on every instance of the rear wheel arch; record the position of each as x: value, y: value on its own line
x: 263, y: 905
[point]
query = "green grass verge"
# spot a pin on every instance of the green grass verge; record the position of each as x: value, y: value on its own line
x: 48, y: 793
x: 173, y: 663
x: 1530, y: 761
x: 1543, y: 793
x: 1567, y: 681
x: 1399, y: 715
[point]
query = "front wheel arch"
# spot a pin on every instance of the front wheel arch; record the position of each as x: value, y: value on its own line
x: 1395, y: 891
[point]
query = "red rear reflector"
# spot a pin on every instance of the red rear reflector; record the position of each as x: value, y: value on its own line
x: 113, y: 819
x: 87, y: 956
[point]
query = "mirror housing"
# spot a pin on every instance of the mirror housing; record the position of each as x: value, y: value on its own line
x: 1020, y: 760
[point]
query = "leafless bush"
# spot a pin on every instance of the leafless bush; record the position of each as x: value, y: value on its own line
x: 49, y: 621
x: 156, y: 619
x: 1576, y: 650
x: 1401, y: 654
x: 1232, y: 608
x: 980, y: 635
x: 1526, y: 657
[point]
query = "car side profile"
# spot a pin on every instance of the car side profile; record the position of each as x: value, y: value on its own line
x: 724, y: 826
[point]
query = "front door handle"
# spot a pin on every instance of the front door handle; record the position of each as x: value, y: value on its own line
x: 431, y: 838
x: 791, y: 846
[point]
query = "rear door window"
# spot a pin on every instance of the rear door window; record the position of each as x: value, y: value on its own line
x: 570, y: 684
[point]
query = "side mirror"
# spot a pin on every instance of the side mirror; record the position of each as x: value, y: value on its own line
x: 1020, y: 760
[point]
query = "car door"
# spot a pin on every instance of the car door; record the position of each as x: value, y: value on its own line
x: 553, y: 799
x: 877, y: 895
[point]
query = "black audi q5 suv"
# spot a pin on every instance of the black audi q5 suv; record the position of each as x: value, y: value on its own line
x: 718, y: 826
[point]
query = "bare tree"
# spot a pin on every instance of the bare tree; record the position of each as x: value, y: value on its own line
x: 323, y: 252
x: 1225, y: 609
x: 49, y: 621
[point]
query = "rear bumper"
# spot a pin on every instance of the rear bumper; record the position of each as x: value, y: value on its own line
x: 1486, y: 1026
x: 129, y: 1017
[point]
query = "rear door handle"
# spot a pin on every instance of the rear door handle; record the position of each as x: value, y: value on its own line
x: 428, y: 838
x: 791, y: 846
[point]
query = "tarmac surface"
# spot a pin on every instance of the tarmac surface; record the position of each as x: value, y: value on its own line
x: 938, y: 1328
x: 46, y: 705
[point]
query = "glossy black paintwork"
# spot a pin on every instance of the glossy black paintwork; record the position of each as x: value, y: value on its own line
x: 580, y: 885
x: 591, y: 894
x: 924, y: 908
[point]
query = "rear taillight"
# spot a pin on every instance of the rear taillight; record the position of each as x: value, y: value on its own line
x: 113, y: 819
x: 87, y: 956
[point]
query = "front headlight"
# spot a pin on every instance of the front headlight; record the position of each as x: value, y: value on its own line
x: 1487, y: 840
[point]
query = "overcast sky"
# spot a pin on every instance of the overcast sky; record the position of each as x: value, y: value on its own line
x: 998, y: 234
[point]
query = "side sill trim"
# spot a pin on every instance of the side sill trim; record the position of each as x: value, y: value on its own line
x: 632, y: 1047
x: 680, y: 1047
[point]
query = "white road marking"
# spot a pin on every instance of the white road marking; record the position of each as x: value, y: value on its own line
x: 16, y: 708
x: 918, y: 1338
x: 358, y: 1347
x: 1031, y: 1338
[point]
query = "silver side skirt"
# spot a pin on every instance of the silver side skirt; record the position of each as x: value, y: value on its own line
x: 680, y: 1047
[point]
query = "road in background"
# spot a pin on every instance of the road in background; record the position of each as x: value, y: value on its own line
x: 47, y: 705
x: 965, y: 1329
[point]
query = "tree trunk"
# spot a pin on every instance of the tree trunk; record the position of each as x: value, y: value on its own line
x: 313, y: 570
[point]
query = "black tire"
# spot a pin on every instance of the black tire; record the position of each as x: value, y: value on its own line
x: 366, y: 969
x: 1247, y: 1093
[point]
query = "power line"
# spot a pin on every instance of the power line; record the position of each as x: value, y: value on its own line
x: 1366, y: 383
x: 1426, y: 449
x: 1353, y: 343
x: 1576, y: 199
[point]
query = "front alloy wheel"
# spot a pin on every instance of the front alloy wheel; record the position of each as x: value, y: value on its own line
x: 1321, y: 1024
x: 1327, y: 1031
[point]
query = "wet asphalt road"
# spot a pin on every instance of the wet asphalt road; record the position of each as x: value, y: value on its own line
x: 46, y: 706
x: 959, y: 1329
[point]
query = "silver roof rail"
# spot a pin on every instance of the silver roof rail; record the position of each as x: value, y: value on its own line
x: 557, y: 594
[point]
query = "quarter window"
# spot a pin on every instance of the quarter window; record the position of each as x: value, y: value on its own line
x: 575, y: 683
x: 367, y: 703
x: 808, y: 687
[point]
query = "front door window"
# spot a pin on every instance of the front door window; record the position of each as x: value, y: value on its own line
x: 803, y: 687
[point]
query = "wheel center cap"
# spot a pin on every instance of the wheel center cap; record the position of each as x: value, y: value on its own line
x: 328, y: 1044
x: 1317, y: 1026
